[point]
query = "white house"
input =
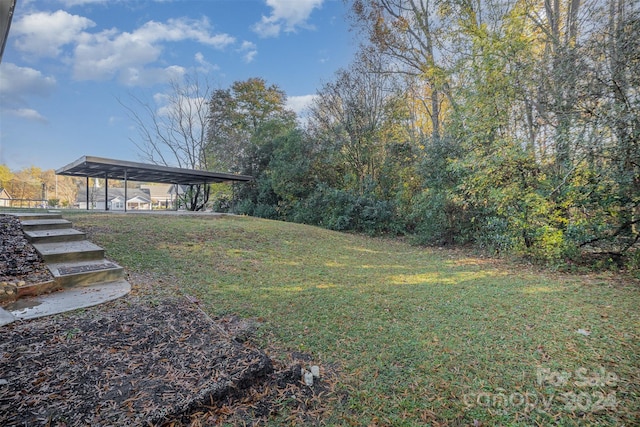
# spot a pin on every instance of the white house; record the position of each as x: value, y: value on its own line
x: 162, y: 195
x: 5, y: 198
x: 137, y: 199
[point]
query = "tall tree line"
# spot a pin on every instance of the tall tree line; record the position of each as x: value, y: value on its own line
x: 34, y: 184
x: 510, y: 125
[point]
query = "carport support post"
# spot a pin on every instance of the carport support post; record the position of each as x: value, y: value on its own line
x: 87, y: 192
x: 106, y: 191
x: 125, y: 190
x: 176, y: 202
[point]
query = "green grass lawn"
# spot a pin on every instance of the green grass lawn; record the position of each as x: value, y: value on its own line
x: 420, y: 336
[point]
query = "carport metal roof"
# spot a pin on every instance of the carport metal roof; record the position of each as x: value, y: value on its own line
x: 98, y: 167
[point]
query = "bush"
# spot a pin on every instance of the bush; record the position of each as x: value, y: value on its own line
x: 244, y: 207
x: 440, y: 219
x: 495, y: 235
x: 265, y: 211
x: 633, y: 262
x: 346, y: 210
x: 222, y: 204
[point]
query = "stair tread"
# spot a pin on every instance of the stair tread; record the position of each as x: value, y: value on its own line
x: 33, y: 216
x: 79, y: 267
x: 66, y: 247
x: 45, y: 222
x: 54, y: 232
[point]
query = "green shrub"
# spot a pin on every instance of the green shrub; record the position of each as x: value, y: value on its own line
x: 440, y: 219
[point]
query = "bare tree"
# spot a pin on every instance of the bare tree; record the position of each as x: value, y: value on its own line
x: 172, y: 131
x: 353, y: 112
x: 407, y: 32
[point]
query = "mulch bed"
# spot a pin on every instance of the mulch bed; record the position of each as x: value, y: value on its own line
x: 140, y: 362
x: 20, y: 264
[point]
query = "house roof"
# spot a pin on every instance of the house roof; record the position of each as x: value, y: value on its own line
x: 159, y: 191
x: 115, y: 193
x: 139, y: 199
x: 98, y: 167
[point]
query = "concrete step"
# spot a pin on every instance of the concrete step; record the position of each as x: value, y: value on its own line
x: 83, y: 273
x: 45, y: 224
x: 57, y: 252
x: 63, y: 301
x: 82, y: 277
x: 30, y: 216
x: 53, y: 236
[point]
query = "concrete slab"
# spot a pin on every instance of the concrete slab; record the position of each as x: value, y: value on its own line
x: 56, y: 235
x: 63, y: 268
x: 6, y: 317
x: 24, y: 216
x: 82, y: 250
x: 81, y: 273
x: 67, y: 300
x: 45, y: 224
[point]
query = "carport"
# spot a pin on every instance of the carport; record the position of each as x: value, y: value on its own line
x: 98, y: 167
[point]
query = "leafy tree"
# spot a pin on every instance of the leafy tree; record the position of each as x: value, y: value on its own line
x: 5, y: 176
x: 536, y: 147
x: 245, y: 120
x: 241, y: 119
x: 27, y: 184
x: 608, y: 104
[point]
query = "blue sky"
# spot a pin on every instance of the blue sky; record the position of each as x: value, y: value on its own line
x: 67, y: 62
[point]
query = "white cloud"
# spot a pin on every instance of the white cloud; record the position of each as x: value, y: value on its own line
x: 103, y: 55
x: 183, y: 29
x: 16, y: 82
x: 300, y: 104
x: 27, y: 114
x: 286, y: 15
x: 150, y: 76
x: 249, y: 50
x: 250, y: 56
x: 111, y: 53
x: 178, y: 106
x: 187, y: 110
x: 204, y: 65
x: 45, y: 33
